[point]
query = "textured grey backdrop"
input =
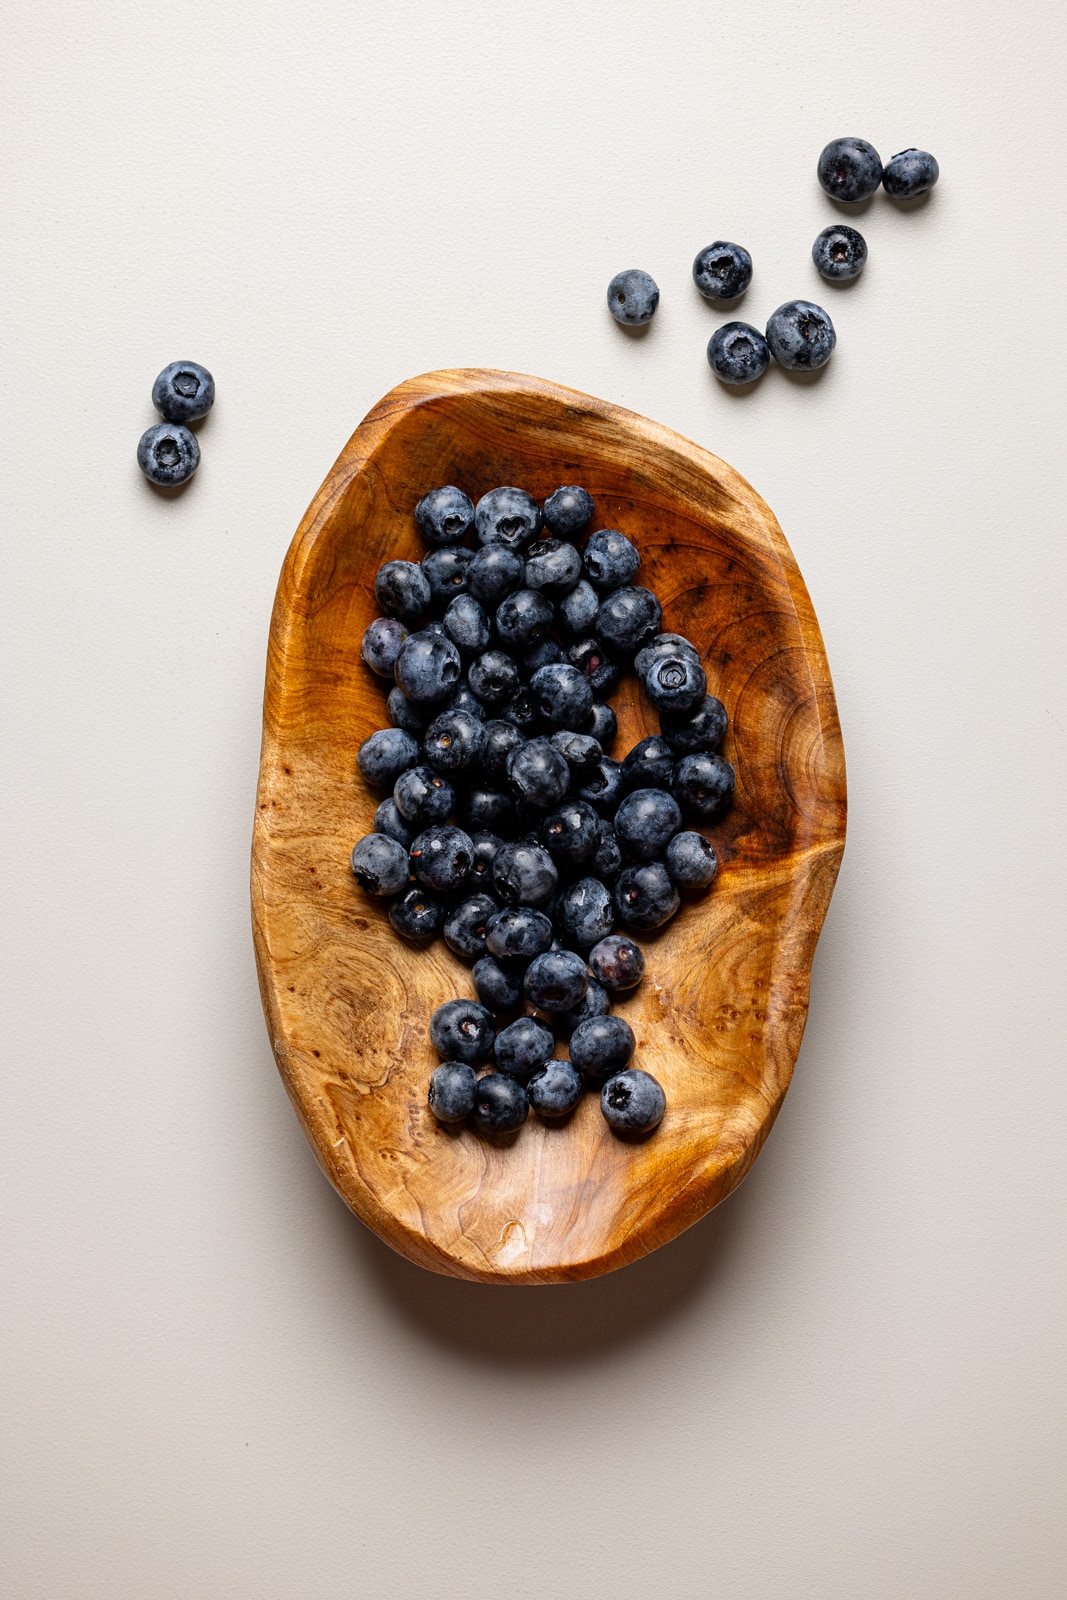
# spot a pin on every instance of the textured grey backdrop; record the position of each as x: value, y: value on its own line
x: 846, y: 1382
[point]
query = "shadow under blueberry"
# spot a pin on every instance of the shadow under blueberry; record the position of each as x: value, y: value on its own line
x: 634, y: 330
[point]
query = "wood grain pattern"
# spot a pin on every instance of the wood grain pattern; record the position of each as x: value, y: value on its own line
x: 720, y: 1015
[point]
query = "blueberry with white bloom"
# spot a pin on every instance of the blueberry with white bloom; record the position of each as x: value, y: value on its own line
x: 403, y: 713
x: 538, y: 773
x: 564, y: 695
x: 584, y: 914
x: 664, y: 644
x: 650, y: 765
x: 454, y: 741
x: 387, y: 820
x: 676, y: 683
x: 839, y: 253
x: 542, y: 653
x: 427, y: 668
x: 380, y: 864
x: 462, y: 1030
x: 497, y: 988
x: 402, y: 590
x: 524, y: 874
x: 522, y: 1047
x: 801, y: 336
x: 494, y: 677
x: 632, y: 1102
x: 617, y: 963
x: 384, y: 755
x: 486, y: 808
x: 722, y: 271
x: 486, y: 846
x: 168, y: 454
x: 580, y: 751
x: 465, y: 926
x: 416, y: 914
x: 444, y: 515
x: 453, y: 1086
x: 738, y: 353
x: 523, y: 617
x: 464, y: 699
x: 577, y: 610
x: 704, y: 783
x: 446, y: 570
x: 596, y: 1002
x: 849, y: 169
x: 645, y: 897
x: 912, y: 172
x: 633, y: 297
x: 568, y: 512
x: 518, y: 933
x: 602, y: 725
x: 645, y: 821
x: 500, y: 1104
x: 467, y: 625
x: 509, y: 517
x: 553, y: 566
x: 690, y: 861
x: 628, y: 618
x: 702, y: 728
x: 501, y: 738
x: 423, y: 797
x: 603, y: 788
x: 571, y: 832
x: 602, y: 1046
x: 555, y: 1089
x: 610, y: 559
x: 594, y: 662
x: 383, y: 640
x: 183, y: 391
x: 606, y: 860
x: 556, y: 981
x: 441, y: 857
x: 495, y: 572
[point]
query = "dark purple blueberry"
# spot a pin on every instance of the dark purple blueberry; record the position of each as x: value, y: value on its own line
x: 553, y: 566
x: 676, y: 683
x: 606, y: 860
x: 501, y: 738
x: 462, y: 1030
x: 467, y: 625
x: 168, y: 454
x: 403, y: 714
x: 596, y: 665
x: 650, y: 765
x: 700, y: 729
x: 690, y: 861
x: 427, y: 668
x: 580, y: 751
x: 495, y: 572
x: 518, y: 933
x: 184, y: 391
x: 494, y: 677
x: 523, y: 617
x: 524, y: 875
x: 380, y: 864
x: 523, y: 1046
x: 446, y: 571
x: 568, y: 512
x: 801, y: 336
x: 508, y: 517
x: 577, y: 611
x: 704, y: 784
x: 441, y: 857
x: 384, y: 755
x: 564, y: 695
x: 645, y: 821
x: 387, y: 820
x: 486, y: 846
x: 521, y: 709
x: 602, y: 724
x: 537, y: 772
x: 555, y: 1089
x: 664, y: 644
x: 722, y: 271
x: 632, y: 1102
x: 487, y: 810
x: 840, y: 253
x: 610, y: 560
x: 633, y: 297
x: 738, y: 353
x: 454, y: 742
x: 584, y: 914
x: 444, y: 515
x: 596, y: 1002
x: 849, y: 169
x: 912, y: 172
x: 423, y: 797
x: 601, y: 1047
x: 465, y: 926
x: 645, y: 897
x: 603, y: 787
x: 556, y: 981
x: 402, y: 590
x: 464, y: 699
x: 617, y: 963
x: 571, y: 832
x: 628, y: 618
x: 500, y: 1104
x: 383, y: 640
x: 498, y: 989
x: 452, y: 1089
x: 415, y: 914
x: 545, y: 653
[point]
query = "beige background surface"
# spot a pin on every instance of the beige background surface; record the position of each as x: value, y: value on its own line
x: 847, y: 1383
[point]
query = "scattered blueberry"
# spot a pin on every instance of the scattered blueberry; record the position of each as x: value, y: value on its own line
x: 700, y: 729
x: 568, y: 512
x: 404, y: 714
x: 415, y: 914
x: 508, y: 517
x: 632, y: 1102
x: 628, y: 618
x: 494, y: 677
x: 553, y: 566
x: 486, y: 846
x: 452, y: 1090
x: 543, y: 653
x: 485, y: 808
x: 465, y: 926
x: 597, y: 665
x: 518, y: 933
x: 690, y: 861
x: 555, y: 1089
x: 524, y: 874
x: 645, y: 821
x: 500, y: 1104
x: 610, y: 560
x: 494, y: 572
x: 522, y: 1047
x: 849, y: 169
x: 617, y: 963
x: 801, y: 336
x: 387, y: 820
x: 446, y: 571
x: 538, y: 773
x: 454, y: 741
x: 384, y: 755
x: 703, y: 783
x: 564, y: 695
x: 380, y: 864
x: 645, y: 897
x: 722, y: 271
x: 664, y: 644
x: 584, y: 914
x: 577, y: 610
x: 183, y: 391
x: 462, y: 1030
x: 911, y: 173
x: 467, y: 625
x: 523, y: 617
x: 738, y: 353
x: 402, y: 590
x: 596, y: 1002
x: 423, y: 797
x: 840, y: 253
x: 444, y: 515
x: 601, y: 1047
x: 633, y: 297
x: 603, y: 787
x: 383, y: 640
x: 168, y: 454
x: 580, y: 751
x: 464, y: 699
x: 556, y: 981
x: 602, y: 724
x: 650, y: 765
x: 498, y: 989
x: 606, y: 860
x: 676, y: 683
x: 571, y: 832
x: 427, y: 667
x: 441, y: 857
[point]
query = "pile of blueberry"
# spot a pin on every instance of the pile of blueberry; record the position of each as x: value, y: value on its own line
x: 168, y: 453
x: 502, y: 650
x: 800, y: 335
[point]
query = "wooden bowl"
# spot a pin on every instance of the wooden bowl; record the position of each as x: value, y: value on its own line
x: 720, y: 1014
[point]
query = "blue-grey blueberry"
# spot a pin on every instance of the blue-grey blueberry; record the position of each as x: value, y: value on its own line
x: 518, y: 933
x: 676, y: 683
x: 580, y: 751
x: 650, y: 765
x: 454, y: 741
x: 645, y: 897
x: 602, y: 724
x: 444, y: 515
x: 553, y: 566
x: 494, y: 572
x: 441, y: 857
x: 522, y: 1047
x: 507, y: 516
x: 645, y: 821
x: 402, y: 590
x: 702, y: 728
x: 538, y: 773
x: 628, y: 618
x: 555, y: 1089
x: 416, y: 914
x: 584, y: 914
x: 617, y: 963
x: 183, y: 391
x: 610, y: 559
x: 564, y: 695
x: 633, y: 297
x: 571, y: 832
x: 523, y: 617
x: 524, y: 874
x: 446, y: 570
x: 387, y: 820
x: 467, y: 625
x: 556, y: 981
x: 462, y: 1030
x: 465, y: 925
x: 383, y: 640
x: 704, y: 783
x: 423, y: 797
x: 738, y: 353
x: 596, y: 1002
x: 839, y: 253
x: 801, y: 336
x: 427, y: 668
x: 497, y: 988
x: 384, y: 755
x: 577, y: 611
x: 722, y: 271
x: 568, y: 512
x: 911, y: 173
x: 494, y: 677
x: 603, y: 787
x: 380, y: 864
x: 500, y: 1104
x: 168, y: 454
x: 632, y: 1102
x: 849, y: 169
x: 690, y: 861
x: 403, y: 714
x: 664, y: 644
x: 452, y: 1089
x: 602, y: 1046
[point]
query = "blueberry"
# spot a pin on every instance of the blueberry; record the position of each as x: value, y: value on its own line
x: 911, y: 173
x: 700, y: 729
x: 523, y: 617
x: 538, y: 773
x: 521, y: 709
x: 610, y: 560
x: 416, y: 914
x: 633, y: 297
x: 617, y: 963
x: 596, y: 1002
x: 495, y: 572
x: 183, y: 391
x: 603, y: 787
x: 553, y: 566
x: 840, y: 253
x: 508, y: 517
x: 518, y: 933
x: 628, y: 618
x: 168, y: 454
x: 690, y: 861
x: 602, y: 725
x: 467, y: 625
x: 545, y: 653
x: 584, y: 914
x: 632, y: 1102
x: 522, y: 1047
x: 596, y: 664
x: 564, y: 695
x: 524, y: 874
x: 427, y: 667
x: 738, y: 353
x: 380, y: 864
x: 571, y: 832
x: 577, y: 610
x: 555, y: 1089
x: 606, y: 860
x: 580, y: 751
x: 801, y: 336
x: 462, y: 1030
x: 500, y: 1104
x: 645, y: 897
x: 446, y: 571
x: 722, y: 271
x: 494, y: 677
x: 568, y: 512
x: 452, y: 1089
x: 441, y: 857
x: 403, y: 714
x: 402, y: 589
x: 556, y: 981
x: 703, y: 783
x: 849, y: 169
x: 501, y: 738
x: 601, y: 1047
x: 387, y: 820
x: 486, y: 846
x: 497, y: 988
x: 423, y: 797
x: 384, y: 755
x: 485, y: 808
x: 664, y: 644
x: 464, y: 699
x: 645, y: 821
x: 676, y: 683
x: 454, y: 742
x: 650, y: 765
x: 383, y: 640
x: 465, y: 926
x: 444, y: 515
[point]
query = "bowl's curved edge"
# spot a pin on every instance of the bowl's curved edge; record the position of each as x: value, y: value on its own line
x: 812, y: 889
